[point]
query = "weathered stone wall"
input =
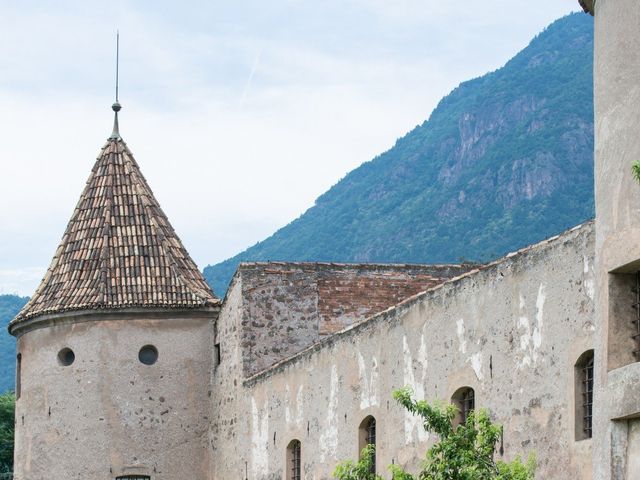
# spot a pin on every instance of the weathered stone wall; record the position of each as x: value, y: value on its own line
x: 108, y: 414
x: 280, y: 315
x: 617, y: 145
x: 513, y: 331
x: 290, y: 306
x: 228, y: 424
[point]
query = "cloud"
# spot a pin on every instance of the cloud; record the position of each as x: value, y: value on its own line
x: 239, y: 113
x: 17, y: 281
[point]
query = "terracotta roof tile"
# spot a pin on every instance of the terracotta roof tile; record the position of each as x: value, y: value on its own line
x: 119, y: 249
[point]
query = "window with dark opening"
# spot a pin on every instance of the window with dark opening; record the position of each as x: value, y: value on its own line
x: 148, y: 355
x: 18, y: 375
x: 134, y: 477
x: 66, y: 357
x: 584, y: 395
x: 623, y: 333
x: 294, y: 460
x: 465, y: 400
x: 368, y: 437
x: 217, y: 354
x: 636, y: 319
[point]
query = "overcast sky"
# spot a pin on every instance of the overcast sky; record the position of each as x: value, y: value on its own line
x: 239, y: 113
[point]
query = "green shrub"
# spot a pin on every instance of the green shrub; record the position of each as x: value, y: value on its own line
x: 464, y: 452
x: 635, y: 170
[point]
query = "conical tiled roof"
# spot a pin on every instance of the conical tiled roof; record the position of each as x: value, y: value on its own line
x: 119, y: 249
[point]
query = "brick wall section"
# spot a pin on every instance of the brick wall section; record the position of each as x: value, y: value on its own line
x: 288, y: 307
x: 351, y: 294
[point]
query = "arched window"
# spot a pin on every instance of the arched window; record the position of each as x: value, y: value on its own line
x: 465, y: 400
x: 367, y: 436
x: 583, y: 383
x: 294, y: 457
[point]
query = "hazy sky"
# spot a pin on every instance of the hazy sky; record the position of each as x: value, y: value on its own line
x: 239, y: 113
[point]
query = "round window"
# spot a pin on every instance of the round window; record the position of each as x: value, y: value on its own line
x: 148, y: 355
x: 66, y: 357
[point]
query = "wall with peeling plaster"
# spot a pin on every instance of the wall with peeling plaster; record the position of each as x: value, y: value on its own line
x: 617, y: 111
x: 512, y: 331
x: 108, y: 414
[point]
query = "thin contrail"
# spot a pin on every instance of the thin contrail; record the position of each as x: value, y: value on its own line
x: 250, y: 79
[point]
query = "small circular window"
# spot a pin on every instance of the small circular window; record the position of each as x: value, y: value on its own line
x: 66, y: 357
x: 148, y: 355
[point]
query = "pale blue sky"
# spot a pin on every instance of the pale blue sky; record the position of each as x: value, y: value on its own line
x: 239, y: 113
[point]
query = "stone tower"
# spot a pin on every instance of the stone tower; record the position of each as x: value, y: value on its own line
x: 616, y: 439
x: 115, y: 346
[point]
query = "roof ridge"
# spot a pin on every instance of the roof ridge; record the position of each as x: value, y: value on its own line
x: 104, y: 286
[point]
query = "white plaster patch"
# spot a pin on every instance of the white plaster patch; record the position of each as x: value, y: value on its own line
x: 259, y: 438
x: 368, y: 383
x: 525, y: 336
x: 412, y: 423
x: 537, y: 331
x: 531, y: 338
x: 300, y: 407
x: 589, y: 281
x: 287, y: 404
x: 476, y: 364
x: 461, y: 340
x: 329, y: 435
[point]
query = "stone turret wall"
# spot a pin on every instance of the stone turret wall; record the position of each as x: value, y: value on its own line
x: 107, y: 414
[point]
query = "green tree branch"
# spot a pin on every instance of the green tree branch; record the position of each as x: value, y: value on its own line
x: 463, y: 452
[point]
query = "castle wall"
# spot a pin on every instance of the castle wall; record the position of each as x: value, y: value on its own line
x: 512, y: 331
x: 107, y: 414
x: 617, y: 145
x: 290, y: 306
x: 228, y: 426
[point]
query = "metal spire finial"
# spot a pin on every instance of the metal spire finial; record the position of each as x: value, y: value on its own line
x: 116, y: 107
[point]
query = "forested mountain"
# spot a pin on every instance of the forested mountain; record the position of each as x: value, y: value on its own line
x: 504, y: 161
x: 10, y: 305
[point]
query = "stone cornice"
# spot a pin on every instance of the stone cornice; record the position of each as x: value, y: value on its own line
x: 127, y: 314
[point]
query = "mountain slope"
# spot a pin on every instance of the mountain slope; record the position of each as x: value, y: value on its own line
x: 504, y: 161
x: 10, y: 305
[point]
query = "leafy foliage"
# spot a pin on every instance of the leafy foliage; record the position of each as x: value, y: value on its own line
x: 504, y: 160
x: 635, y: 170
x: 463, y: 452
x: 7, y: 409
x: 360, y: 470
x: 10, y: 305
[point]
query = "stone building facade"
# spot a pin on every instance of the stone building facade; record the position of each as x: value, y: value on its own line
x: 513, y: 331
x: 129, y: 367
